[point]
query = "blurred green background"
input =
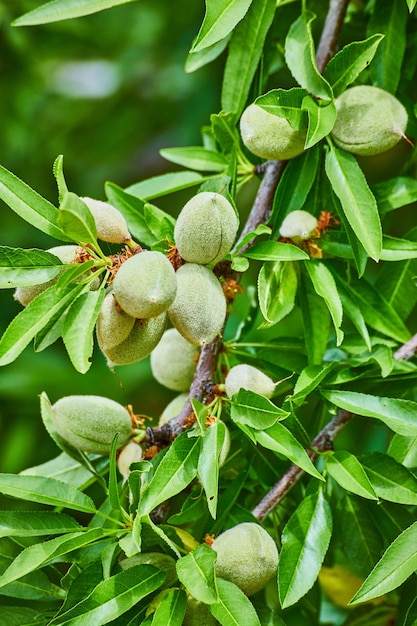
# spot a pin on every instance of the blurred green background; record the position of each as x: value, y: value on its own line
x: 107, y: 91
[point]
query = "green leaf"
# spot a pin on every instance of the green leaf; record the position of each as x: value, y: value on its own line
x: 316, y: 320
x: 305, y: 540
x: 29, y: 205
x: 171, y: 610
x: 356, y: 198
x: 21, y: 616
x: 195, y: 60
x: 133, y: 210
x: 33, y: 318
x: 233, y: 607
x: 344, y: 68
x: 33, y: 586
x: 113, y: 597
x: 398, y: 414
x: 35, y: 523
x: 40, y: 554
x: 397, y: 563
x: 165, y: 184
x: 285, y: 103
x: 281, y: 440
x: 160, y: 223
x: 195, y: 158
x: 173, y: 474
x: 196, y: 572
x: 321, y: 120
x: 354, y: 312
x: 46, y: 491
x: 79, y: 327
x: 391, y: 480
x: 308, y: 380
x: 57, y: 10
x: 208, y: 463
x: 251, y: 409
x: 76, y: 220
x: 411, y: 4
x: 390, y: 19
x: 349, y: 473
x: 395, y: 193
x: 275, y: 251
x: 395, y: 249
x: 261, y: 229
x: 300, y: 58
x: 360, y: 255
x: 220, y: 19
x: 245, y: 50
x: 63, y: 467
x: 325, y: 286
x: 20, y: 267
x: 277, y: 288
x: 404, y: 450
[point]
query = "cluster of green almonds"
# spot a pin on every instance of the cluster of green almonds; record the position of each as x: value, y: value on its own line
x: 369, y: 121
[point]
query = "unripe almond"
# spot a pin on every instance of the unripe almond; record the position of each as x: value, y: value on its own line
x: 173, y: 408
x: 113, y: 324
x: 110, y: 224
x: 198, y: 614
x: 145, y: 285
x: 298, y: 226
x: 199, y: 309
x: 174, y: 361
x: 131, y: 453
x: 244, y: 376
x: 90, y: 423
x: 246, y: 556
x: 206, y: 228
x: 140, y: 342
x: 369, y: 120
x: 269, y: 136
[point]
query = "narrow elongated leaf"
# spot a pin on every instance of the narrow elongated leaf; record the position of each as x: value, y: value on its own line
x: 275, y: 251
x: 171, y: 610
x: 316, y: 320
x: 21, y: 616
x: 395, y: 193
x: 308, y: 380
x: 325, y: 287
x: 173, y: 474
x: 220, y: 19
x: 57, y: 10
x: 344, y: 68
x: 196, y: 572
x: 349, y: 473
x: 35, y: 523
x: 29, y: 205
x: 133, y: 210
x: 391, y: 480
x: 404, y: 450
x: 33, y: 318
x: 300, y: 58
x: 397, y: 413
x: 281, y: 440
x: 40, y: 554
x: 195, y: 158
x: 358, y: 203
x: 285, y: 103
x: 33, y: 586
x: 195, y: 60
x: 305, y: 540
x: 208, y: 463
x: 397, y: 563
x: 354, y: 312
x: 251, y: 409
x: 62, y: 467
x: 165, y: 184
x: 79, y: 327
x: 321, y: 120
x: 233, y: 607
x: 245, y: 50
x: 46, y: 491
x: 277, y: 288
x: 76, y: 219
x: 20, y: 267
x: 113, y: 597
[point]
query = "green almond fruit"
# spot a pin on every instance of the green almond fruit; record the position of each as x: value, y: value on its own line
x: 174, y: 361
x: 199, y: 309
x: 130, y: 453
x: 140, y: 342
x: 198, y: 614
x: 162, y: 561
x: 113, y: 324
x: 111, y: 226
x: 206, y: 228
x: 369, y: 120
x: 90, y: 423
x: 244, y: 376
x: 145, y: 285
x: 173, y: 408
x: 269, y: 136
x: 246, y: 556
x: 298, y: 225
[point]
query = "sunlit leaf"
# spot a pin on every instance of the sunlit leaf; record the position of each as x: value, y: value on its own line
x: 57, y: 10
x: 220, y: 19
x: 196, y: 572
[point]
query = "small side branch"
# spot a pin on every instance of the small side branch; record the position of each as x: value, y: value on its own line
x: 330, y: 34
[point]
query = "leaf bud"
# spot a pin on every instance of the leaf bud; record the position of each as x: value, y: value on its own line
x: 140, y: 342
x: 244, y: 376
x: 269, y: 136
x: 206, y: 228
x: 173, y: 361
x: 145, y: 284
x: 199, y: 309
x: 246, y: 556
x: 110, y: 224
x: 298, y: 226
x: 90, y: 423
x: 113, y: 324
x: 369, y: 120
x: 131, y: 453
